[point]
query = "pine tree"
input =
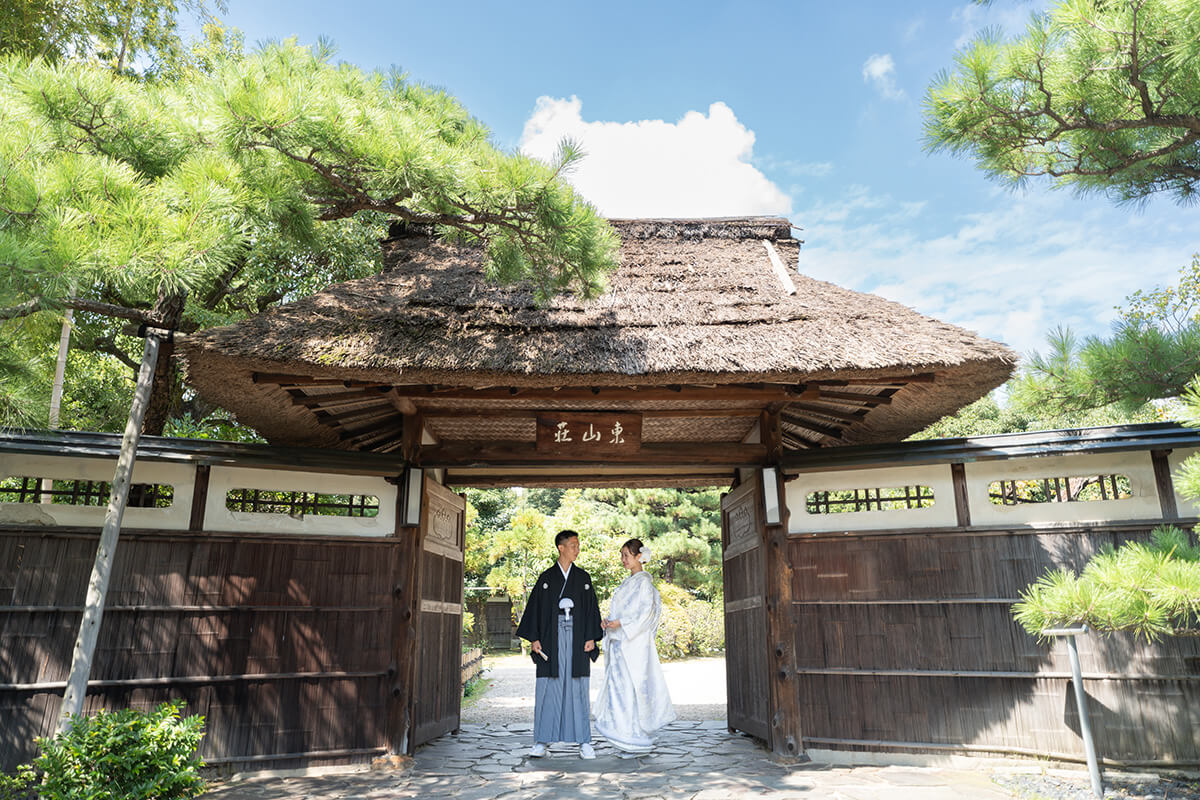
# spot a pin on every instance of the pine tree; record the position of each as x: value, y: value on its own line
x: 1098, y: 95
x: 250, y: 180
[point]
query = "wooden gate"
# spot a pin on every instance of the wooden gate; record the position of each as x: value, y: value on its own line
x: 745, y: 609
x: 436, y: 699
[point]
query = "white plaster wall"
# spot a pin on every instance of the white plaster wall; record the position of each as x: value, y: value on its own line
x: 1136, y: 465
x: 1187, y: 508
x: 218, y: 518
x: 177, y: 516
x: 937, y: 477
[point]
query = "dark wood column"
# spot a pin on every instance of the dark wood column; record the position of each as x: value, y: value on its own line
x: 785, y: 728
x: 406, y: 600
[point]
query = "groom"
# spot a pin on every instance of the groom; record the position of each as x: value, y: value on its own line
x: 562, y: 623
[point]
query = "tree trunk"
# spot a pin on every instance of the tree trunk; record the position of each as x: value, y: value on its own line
x: 167, y: 395
x: 97, y: 590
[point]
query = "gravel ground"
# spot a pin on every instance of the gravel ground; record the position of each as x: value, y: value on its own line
x: 1122, y: 786
x: 697, y: 690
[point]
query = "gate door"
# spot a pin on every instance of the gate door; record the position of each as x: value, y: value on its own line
x: 437, y: 699
x: 744, y: 571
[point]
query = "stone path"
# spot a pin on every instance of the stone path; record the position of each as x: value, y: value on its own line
x: 695, y: 760
x: 697, y: 689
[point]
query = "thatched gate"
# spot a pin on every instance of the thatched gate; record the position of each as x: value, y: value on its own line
x: 307, y: 600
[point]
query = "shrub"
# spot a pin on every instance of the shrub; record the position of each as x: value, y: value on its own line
x: 117, y: 755
x: 689, y: 626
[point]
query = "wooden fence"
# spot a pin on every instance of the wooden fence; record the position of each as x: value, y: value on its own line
x: 472, y: 664
x: 904, y: 638
x: 276, y: 623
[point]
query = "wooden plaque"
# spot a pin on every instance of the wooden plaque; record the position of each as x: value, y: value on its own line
x: 583, y: 435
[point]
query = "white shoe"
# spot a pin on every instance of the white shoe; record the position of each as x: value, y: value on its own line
x: 586, y: 751
x: 538, y: 750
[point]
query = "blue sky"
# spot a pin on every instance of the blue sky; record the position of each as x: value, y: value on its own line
x: 811, y: 110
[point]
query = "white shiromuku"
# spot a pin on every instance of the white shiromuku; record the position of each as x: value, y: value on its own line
x: 633, y: 702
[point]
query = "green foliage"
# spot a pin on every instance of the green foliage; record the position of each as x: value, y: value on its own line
x: 689, y: 626
x: 510, y: 540
x: 1187, y: 478
x: 114, y: 33
x: 1152, y: 354
x: 244, y: 181
x: 1024, y: 411
x: 121, y: 755
x: 1098, y: 96
x: 1151, y: 589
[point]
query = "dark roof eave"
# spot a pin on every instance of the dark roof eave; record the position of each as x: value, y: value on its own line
x: 1115, y: 438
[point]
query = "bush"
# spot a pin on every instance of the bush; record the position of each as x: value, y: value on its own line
x: 116, y: 755
x: 689, y: 626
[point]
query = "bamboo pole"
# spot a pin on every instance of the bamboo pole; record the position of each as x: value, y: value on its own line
x: 93, y: 612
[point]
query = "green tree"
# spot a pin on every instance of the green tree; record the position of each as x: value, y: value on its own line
x: 1152, y: 354
x: 1098, y: 95
x: 114, y: 33
x: 254, y: 180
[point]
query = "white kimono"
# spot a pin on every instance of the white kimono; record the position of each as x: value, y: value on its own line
x: 633, y: 702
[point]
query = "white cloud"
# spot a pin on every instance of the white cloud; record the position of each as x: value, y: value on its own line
x: 1036, y: 261
x: 880, y: 70
x: 699, y: 166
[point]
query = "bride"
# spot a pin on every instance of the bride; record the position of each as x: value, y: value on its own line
x: 633, y: 702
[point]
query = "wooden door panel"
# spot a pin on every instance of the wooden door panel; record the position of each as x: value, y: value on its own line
x: 744, y: 576
x: 438, y: 694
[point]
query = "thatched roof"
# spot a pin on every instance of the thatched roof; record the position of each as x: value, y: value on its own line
x: 695, y: 303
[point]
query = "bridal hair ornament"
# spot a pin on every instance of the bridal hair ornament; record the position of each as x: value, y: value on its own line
x: 644, y: 554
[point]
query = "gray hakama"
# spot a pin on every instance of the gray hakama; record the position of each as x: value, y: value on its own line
x: 562, y: 710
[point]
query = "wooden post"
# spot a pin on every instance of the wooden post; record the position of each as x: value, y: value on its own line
x: 785, y: 725
x: 406, y: 605
x: 93, y: 610
x: 1164, y: 485
x: 962, y: 505
x: 199, y: 497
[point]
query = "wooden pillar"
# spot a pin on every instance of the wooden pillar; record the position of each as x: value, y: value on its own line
x: 1164, y: 485
x: 406, y: 600
x: 406, y: 594
x: 199, y: 497
x: 962, y: 505
x: 785, y: 724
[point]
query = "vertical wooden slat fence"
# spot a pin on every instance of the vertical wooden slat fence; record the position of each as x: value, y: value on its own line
x: 904, y: 633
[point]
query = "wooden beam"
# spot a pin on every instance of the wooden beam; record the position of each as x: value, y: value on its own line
x: 771, y: 435
x: 797, y: 443
x: 410, y: 449
x: 386, y: 443
x: 855, y: 397
x: 832, y: 413
x: 382, y: 424
x: 924, y: 377
x: 369, y: 439
x: 614, y: 393
x: 590, y: 480
x: 402, y: 404
x: 651, y: 454
x: 283, y: 379
x: 370, y: 412
x: 530, y: 413
x: 814, y: 427
x: 334, y: 398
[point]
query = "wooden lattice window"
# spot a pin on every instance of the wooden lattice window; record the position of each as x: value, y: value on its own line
x: 1059, y: 490
x: 27, y: 489
x: 298, y: 504
x: 895, y: 498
